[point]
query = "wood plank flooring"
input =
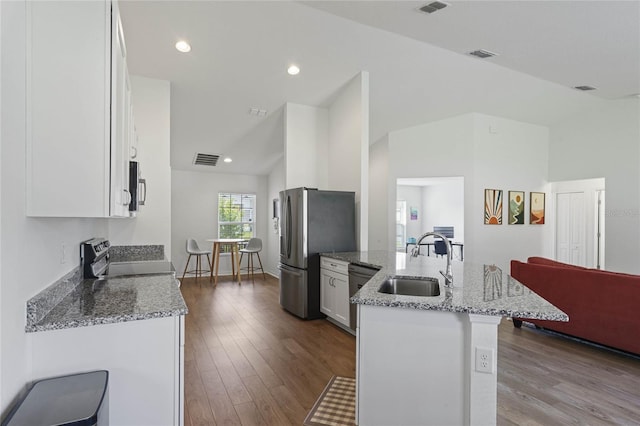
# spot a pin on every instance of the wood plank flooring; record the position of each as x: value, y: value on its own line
x: 248, y: 362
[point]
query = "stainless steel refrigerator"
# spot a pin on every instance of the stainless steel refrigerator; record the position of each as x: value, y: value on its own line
x: 311, y: 222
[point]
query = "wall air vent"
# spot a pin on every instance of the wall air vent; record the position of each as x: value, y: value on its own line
x: 481, y: 53
x: 584, y: 88
x: 205, y: 159
x: 433, y: 7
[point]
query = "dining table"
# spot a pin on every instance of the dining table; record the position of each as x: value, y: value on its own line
x: 234, y: 243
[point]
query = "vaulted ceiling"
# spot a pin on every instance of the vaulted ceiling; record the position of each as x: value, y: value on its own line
x: 419, y: 66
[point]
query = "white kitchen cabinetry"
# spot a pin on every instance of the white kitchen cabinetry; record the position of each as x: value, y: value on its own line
x: 334, y: 290
x: 144, y: 358
x: 78, y: 110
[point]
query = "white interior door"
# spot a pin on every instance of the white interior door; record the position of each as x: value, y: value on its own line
x: 600, y: 229
x: 570, y: 228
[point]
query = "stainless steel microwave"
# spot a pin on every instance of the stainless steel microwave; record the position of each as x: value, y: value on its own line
x: 137, y: 188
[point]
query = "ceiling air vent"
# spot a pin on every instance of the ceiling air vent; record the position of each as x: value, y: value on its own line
x: 433, y: 7
x: 481, y: 53
x: 206, y: 159
x: 584, y: 88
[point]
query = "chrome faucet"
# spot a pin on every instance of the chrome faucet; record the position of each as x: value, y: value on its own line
x: 448, y: 275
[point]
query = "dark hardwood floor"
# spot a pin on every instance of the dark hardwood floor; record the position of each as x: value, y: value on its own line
x: 249, y: 362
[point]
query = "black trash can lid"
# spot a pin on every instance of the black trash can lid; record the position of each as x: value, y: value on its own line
x: 66, y: 400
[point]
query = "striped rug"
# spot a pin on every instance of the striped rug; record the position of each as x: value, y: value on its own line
x: 336, y: 406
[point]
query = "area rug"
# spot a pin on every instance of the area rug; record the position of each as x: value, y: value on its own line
x: 336, y: 405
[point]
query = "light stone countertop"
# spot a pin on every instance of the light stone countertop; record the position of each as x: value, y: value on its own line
x: 113, y: 300
x: 478, y: 289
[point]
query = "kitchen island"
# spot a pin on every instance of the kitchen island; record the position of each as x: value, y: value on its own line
x: 433, y: 360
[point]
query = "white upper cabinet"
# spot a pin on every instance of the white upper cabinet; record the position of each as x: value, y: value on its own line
x: 78, y: 110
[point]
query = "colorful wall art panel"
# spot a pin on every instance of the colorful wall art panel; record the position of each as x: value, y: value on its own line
x: 536, y: 205
x: 516, y: 208
x: 493, y: 207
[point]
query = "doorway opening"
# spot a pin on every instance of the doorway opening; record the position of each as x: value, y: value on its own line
x: 428, y: 203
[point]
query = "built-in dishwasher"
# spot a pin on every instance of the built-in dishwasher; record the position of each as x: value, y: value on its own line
x: 358, y: 276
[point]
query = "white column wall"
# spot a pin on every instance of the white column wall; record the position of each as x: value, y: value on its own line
x: 379, y: 198
x: 275, y: 185
x: 306, y: 146
x: 152, y: 110
x: 349, y: 149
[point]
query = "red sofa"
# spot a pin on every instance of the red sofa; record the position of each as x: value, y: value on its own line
x: 603, y: 306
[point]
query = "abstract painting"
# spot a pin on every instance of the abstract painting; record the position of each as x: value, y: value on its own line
x: 536, y: 205
x: 516, y: 208
x: 493, y: 207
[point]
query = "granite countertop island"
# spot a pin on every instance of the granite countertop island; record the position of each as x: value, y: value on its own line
x: 477, y: 289
x: 433, y: 360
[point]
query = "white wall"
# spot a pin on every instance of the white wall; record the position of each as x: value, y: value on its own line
x: 25, y: 239
x: 349, y: 149
x: 605, y: 142
x: 442, y: 148
x: 508, y: 155
x: 194, y: 210
x: 306, y: 146
x: 151, y: 107
x: 488, y: 152
x: 444, y: 206
x: 413, y: 197
x: 275, y: 185
x: 379, y: 196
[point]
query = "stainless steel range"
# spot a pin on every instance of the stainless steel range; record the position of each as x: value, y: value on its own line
x: 95, y: 261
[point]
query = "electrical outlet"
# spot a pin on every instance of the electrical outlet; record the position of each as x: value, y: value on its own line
x: 484, y: 360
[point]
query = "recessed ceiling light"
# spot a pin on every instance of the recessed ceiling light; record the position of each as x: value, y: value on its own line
x: 293, y: 70
x: 584, y: 88
x: 183, y: 46
x: 227, y: 160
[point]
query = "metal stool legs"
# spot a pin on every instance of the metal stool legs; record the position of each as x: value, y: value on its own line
x: 250, y: 264
x: 199, y: 268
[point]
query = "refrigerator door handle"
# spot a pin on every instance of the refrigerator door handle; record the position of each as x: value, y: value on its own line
x: 289, y: 270
x: 289, y: 230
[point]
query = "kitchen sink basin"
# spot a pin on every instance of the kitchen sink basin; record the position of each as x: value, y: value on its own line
x: 411, y: 286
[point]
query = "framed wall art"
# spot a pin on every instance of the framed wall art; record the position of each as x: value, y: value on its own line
x: 536, y: 208
x: 493, y: 207
x: 516, y: 208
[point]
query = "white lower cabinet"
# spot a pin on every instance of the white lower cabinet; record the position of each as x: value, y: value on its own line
x: 334, y: 290
x: 144, y: 358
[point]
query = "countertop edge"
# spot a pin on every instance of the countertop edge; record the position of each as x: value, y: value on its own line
x: 443, y: 303
x: 105, y: 320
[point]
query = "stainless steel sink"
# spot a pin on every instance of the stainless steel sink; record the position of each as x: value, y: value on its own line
x: 406, y: 286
